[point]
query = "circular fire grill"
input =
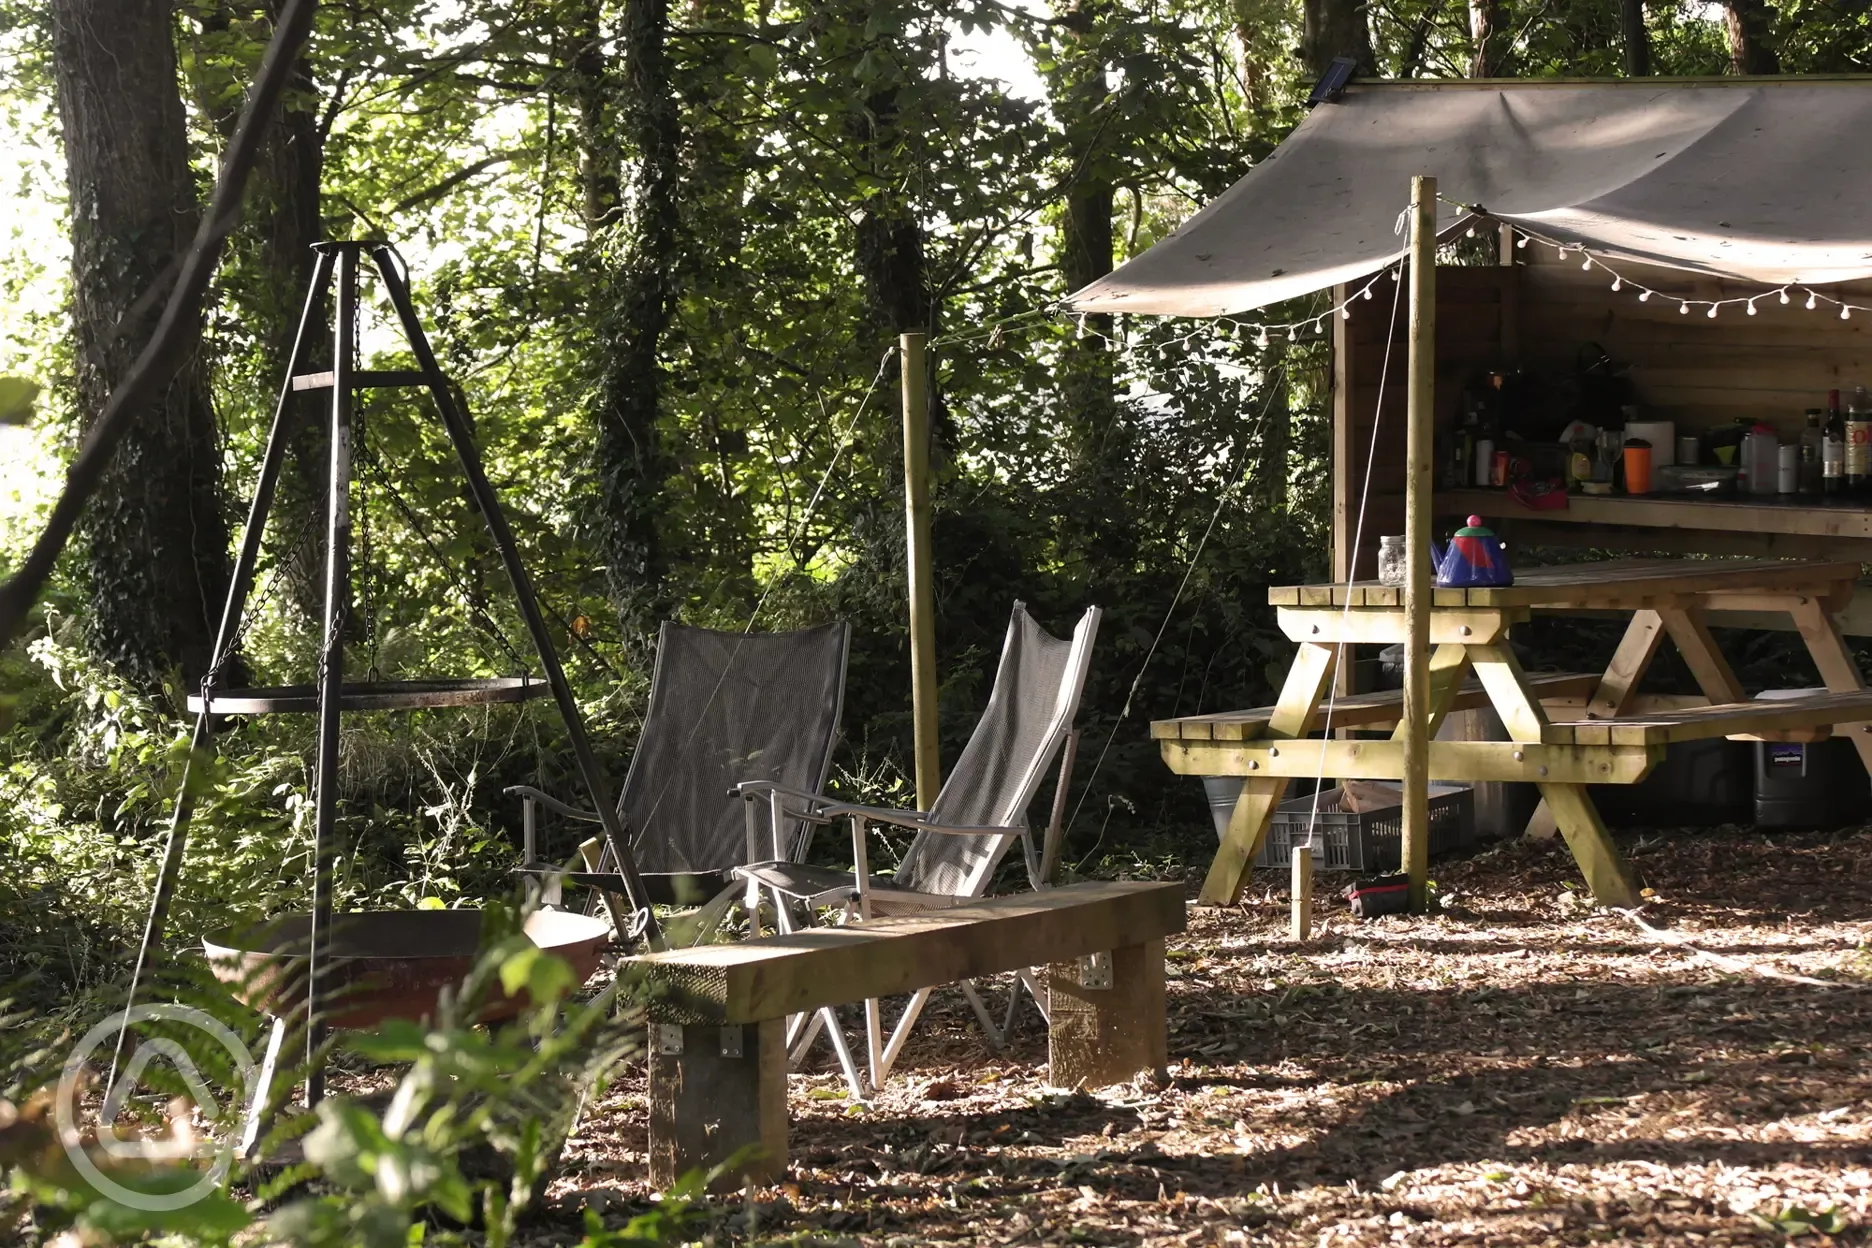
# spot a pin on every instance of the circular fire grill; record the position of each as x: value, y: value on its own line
x: 386, y: 963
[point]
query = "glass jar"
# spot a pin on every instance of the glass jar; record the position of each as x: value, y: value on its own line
x: 1392, y: 560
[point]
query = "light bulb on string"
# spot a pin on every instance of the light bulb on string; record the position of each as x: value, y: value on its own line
x: 1368, y: 287
x: 1261, y: 339
x: 1845, y: 313
x: 1784, y: 296
x: 1813, y: 301
x: 1588, y: 263
x: 1521, y: 241
x: 1345, y: 313
x: 1645, y: 297
x: 1712, y: 311
x: 1751, y: 307
x: 1683, y: 309
x: 1618, y: 283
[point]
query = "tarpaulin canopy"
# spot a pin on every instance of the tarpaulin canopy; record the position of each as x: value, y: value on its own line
x: 1760, y: 179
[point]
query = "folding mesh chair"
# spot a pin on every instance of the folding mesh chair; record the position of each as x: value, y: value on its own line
x: 961, y: 840
x: 725, y: 709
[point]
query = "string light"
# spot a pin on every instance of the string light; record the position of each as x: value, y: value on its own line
x: 1782, y: 294
x: 1261, y: 340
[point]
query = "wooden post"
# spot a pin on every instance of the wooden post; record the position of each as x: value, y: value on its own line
x: 1302, y: 891
x: 1418, y: 590
x: 922, y: 584
x: 716, y: 1092
x: 1106, y: 1017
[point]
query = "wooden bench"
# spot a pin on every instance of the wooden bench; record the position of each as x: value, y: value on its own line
x: 718, y: 1013
x: 1363, y: 710
x: 1791, y: 719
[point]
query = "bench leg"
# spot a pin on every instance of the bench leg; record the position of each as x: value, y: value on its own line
x: 708, y: 1102
x: 1101, y: 1036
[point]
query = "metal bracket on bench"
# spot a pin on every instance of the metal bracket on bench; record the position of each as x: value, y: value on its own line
x: 1095, y: 970
x: 667, y: 1038
x: 731, y: 1041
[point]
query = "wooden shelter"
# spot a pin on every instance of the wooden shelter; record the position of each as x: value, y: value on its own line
x: 1709, y: 233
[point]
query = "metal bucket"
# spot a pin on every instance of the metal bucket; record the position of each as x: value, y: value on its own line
x: 387, y: 963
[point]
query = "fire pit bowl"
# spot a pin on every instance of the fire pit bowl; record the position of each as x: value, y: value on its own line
x: 386, y: 963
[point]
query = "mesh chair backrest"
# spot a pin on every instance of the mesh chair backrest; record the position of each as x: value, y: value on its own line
x: 1036, y: 694
x: 728, y: 707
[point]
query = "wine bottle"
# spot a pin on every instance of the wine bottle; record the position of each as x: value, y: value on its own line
x: 1859, y: 444
x: 1833, y: 450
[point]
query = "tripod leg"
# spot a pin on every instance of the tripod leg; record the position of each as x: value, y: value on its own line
x: 240, y: 583
x: 331, y: 662
x: 465, y: 450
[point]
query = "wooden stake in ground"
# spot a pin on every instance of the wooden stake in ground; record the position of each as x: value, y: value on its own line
x: 922, y: 585
x: 1419, y: 452
x: 1303, y: 890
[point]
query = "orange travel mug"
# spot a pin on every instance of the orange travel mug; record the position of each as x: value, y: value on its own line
x: 1637, y: 466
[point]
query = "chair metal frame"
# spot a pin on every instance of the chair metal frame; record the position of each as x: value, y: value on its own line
x: 857, y: 899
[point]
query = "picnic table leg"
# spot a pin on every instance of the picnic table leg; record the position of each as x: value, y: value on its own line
x: 1254, y: 809
x: 1619, y: 686
x: 1106, y: 1022
x: 714, y: 1092
x: 1618, y: 689
x: 1837, y: 666
x: 1690, y: 631
x: 1607, y: 873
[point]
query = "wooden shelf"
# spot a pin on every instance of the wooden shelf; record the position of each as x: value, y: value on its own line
x: 1722, y: 515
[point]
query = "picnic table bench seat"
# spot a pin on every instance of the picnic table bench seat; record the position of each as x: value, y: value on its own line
x: 1362, y: 710
x: 1811, y: 718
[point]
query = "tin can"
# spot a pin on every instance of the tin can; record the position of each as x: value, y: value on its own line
x: 1498, y: 470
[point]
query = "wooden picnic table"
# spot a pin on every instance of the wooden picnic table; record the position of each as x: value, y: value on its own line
x: 1565, y: 731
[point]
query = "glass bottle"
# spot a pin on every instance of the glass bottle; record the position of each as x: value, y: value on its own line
x: 1833, y: 452
x: 1859, y: 444
x: 1812, y: 447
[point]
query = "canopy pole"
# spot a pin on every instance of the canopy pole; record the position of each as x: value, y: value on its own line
x: 916, y: 430
x: 1418, y: 576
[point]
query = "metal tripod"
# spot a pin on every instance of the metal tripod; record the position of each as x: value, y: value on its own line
x: 331, y: 695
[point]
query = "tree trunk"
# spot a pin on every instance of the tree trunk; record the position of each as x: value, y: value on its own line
x: 1079, y: 89
x: 155, y: 538
x: 1750, y: 51
x: 1335, y: 28
x: 1489, y: 35
x: 598, y: 148
x: 1637, y: 39
x: 631, y: 461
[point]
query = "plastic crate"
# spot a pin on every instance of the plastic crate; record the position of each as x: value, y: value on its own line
x: 1370, y: 840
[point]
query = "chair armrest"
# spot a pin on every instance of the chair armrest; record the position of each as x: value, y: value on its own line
x: 547, y: 800
x: 753, y: 790
x: 913, y: 819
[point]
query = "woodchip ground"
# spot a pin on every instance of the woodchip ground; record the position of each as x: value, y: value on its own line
x: 1520, y: 1069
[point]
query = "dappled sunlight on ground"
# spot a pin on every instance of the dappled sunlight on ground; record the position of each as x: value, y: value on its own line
x: 1520, y: 1070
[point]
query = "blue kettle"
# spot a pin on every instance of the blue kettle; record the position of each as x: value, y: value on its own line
x: 1474, y: 559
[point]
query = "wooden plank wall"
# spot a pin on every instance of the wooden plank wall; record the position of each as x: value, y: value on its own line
x: 1691, y: 369
x: 1696, y: 371
x: 1476, y: 330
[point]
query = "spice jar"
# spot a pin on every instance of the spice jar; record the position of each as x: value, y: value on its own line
x: 1392, y: 560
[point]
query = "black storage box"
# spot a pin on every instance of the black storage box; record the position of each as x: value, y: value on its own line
x: 1822, y: 785
x: 1700, y: 784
